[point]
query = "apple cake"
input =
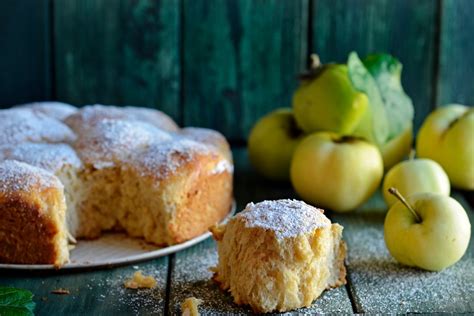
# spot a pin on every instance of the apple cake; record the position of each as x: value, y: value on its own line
x: 105, y: 168
x: 279, y: 255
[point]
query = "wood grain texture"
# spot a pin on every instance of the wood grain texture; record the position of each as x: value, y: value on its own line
x: 241, y: 58
x: 381, y: 285
x: 118, y: 52
x: 456, y: 58
x: 25, y: 48
x: 401, y: 28
x: 93, y: 292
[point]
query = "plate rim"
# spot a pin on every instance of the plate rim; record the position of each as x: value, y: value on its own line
x: 153, y: 254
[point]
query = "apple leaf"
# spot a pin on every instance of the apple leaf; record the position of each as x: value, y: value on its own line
x: 387, y: 71
x: 16, y: 302
x: 374, y: 126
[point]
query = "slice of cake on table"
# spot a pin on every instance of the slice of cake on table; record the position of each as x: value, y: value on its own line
x: 279, y: 255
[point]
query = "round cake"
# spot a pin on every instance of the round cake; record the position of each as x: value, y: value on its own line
x: 279, y: 255
x: 120, y: 169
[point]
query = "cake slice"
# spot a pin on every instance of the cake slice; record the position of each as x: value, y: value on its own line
x: 32, y: 215
x: 279, y: 255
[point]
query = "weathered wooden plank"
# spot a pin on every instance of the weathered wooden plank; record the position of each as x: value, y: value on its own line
x: 119, y: 52
x: 93, y: 292
x: 456, y: 52
x: 191, y: 275
x: 368, y: 26
x: 381, y: 285
x: 241, y: 59
x: 24, y: 42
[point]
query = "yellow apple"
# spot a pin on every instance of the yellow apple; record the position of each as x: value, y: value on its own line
x: 329, y: 102
x: 397, y: 148
x: 427, y: 230
x: 272, y: 142
x: 415, y: 176
x: 336, y: 172
x: 447, y: 136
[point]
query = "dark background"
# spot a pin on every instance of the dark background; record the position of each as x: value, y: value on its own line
x: 223, y: 64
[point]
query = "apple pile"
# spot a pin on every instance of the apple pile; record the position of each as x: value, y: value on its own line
x: 429, y: 229
x: 347, y: 122
x: 350, y: 123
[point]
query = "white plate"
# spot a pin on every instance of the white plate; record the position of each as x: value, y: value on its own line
x: 113, y: 249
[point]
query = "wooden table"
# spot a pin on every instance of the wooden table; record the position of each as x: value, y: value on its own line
x: 376, y: 283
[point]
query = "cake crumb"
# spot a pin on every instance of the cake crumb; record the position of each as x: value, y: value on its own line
x: 61, y: 291
x: 189, y: 307
x: 140, y: 281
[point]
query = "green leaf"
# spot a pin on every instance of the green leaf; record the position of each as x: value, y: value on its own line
x: 387, y: 71
x: 374, y: 125
x: 16, y: 302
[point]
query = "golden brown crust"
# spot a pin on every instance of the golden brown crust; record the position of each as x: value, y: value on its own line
x: 207, y: 202
x: 27, y: 230
x: 209, y: 137
x: 184, y: 181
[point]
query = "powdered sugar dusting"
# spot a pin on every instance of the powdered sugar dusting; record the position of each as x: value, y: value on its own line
x: 287, y: 218
x: 164, y: 158
x: 23, y: 125
x: 18, y: 176
x: 51, y: 157
x: 57, y: 110
x: 91, y: 114
x: 204, y: 135
x: 223, y: 166
x: 109, y: 141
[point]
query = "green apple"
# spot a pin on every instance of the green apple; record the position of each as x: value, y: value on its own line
x: 329, y: 102
x: 397, y: 148
x: 336, y: 172
x: 272, y: 142
x: 447, y: 136
x: 427, y: 230
x: 415, y: 176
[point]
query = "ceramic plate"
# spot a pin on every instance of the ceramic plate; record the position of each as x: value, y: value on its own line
x: 114, y: 249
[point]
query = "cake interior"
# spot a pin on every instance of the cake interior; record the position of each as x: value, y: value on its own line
x: 166, y: 211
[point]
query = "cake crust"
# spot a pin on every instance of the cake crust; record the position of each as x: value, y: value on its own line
x: 32, y: 215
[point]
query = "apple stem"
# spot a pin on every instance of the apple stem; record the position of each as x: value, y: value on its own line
x: 412, y: 154
x: 400, y: 197
x: 315, y: 61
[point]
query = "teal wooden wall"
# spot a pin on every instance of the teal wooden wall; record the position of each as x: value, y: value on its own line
x: 224, y: 63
